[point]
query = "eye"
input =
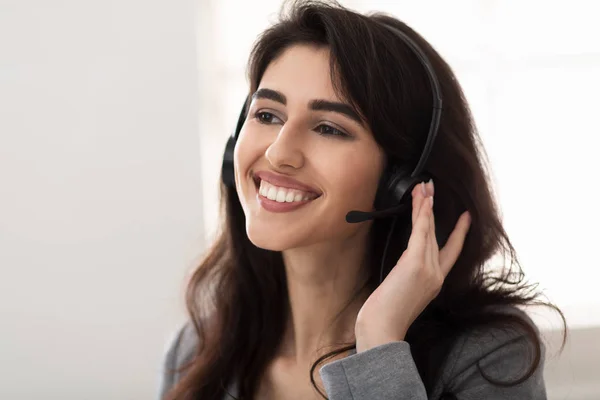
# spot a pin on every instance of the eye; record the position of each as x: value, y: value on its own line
x: 265, y: 117
x: 328, y: 130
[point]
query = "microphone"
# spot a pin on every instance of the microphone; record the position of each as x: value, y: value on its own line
x: 359, y: 216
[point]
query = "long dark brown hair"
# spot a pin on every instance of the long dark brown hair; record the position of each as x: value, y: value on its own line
x: 237, y: 297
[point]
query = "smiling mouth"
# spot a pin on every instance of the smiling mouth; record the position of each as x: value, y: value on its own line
x: 305, y: 196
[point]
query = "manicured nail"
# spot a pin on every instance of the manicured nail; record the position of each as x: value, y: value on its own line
x: 430, y: 187
x: 423, y: 189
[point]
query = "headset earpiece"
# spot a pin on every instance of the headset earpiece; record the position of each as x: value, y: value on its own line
x: 397, y: 183
x: 227, y: 171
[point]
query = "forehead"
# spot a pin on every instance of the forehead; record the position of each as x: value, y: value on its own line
x: 301, y: 72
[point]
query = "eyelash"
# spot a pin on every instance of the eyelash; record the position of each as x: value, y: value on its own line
x: 339, y: 133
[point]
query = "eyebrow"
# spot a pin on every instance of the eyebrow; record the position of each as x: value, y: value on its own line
x: 270, y: 94
x: 317, y: 105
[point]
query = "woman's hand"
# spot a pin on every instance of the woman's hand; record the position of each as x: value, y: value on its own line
x: 415, y: 280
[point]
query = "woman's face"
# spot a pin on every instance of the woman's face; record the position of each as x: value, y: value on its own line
x: 297, y: 128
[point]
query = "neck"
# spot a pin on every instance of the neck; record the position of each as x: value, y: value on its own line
x: 324, y: 286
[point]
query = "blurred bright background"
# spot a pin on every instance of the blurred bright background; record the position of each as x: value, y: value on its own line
x: 113, y: 120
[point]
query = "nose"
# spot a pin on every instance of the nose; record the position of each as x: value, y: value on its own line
x: 286, y: 150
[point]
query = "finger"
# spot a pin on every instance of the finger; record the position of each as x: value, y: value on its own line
x: 432, y: 244
x: 433, y: 239
x: 418, y: 193
x: 430, y: 188
x: 451, y: 250
x: 418, y: 237
x: 429, y: 251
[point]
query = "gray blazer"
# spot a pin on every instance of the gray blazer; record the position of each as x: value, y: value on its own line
x: 388, y: 372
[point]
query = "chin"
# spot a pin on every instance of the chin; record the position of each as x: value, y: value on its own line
x: 269, y: 242
x: 265, y: 239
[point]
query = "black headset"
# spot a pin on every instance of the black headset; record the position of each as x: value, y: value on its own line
x: 397, y: 181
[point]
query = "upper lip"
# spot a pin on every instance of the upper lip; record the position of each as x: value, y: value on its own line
x: 284, y: 181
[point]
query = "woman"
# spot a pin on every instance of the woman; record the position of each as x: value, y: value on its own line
x: 338, y: 101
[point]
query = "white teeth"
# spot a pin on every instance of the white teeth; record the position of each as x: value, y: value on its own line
x: 283, y: 195
x: 290, y: 197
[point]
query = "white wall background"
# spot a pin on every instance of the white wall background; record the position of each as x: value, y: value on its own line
x: 100, y: 192
x: 113, y: 118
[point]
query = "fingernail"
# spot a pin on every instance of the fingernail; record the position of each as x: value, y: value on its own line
x: 430, y: 187
x: 423, y: 189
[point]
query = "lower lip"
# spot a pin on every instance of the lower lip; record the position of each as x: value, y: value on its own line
x: 277, y: 207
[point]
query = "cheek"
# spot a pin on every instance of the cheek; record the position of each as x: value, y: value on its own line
x: 246, y: 151
x: 356, y: 182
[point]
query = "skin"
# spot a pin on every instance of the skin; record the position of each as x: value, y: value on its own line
x: 325, y: 256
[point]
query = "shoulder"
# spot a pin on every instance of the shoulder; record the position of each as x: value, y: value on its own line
x: 511, y: 354
x: 180, y: 349
x: 182, y: 345
x: 481, y: 342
